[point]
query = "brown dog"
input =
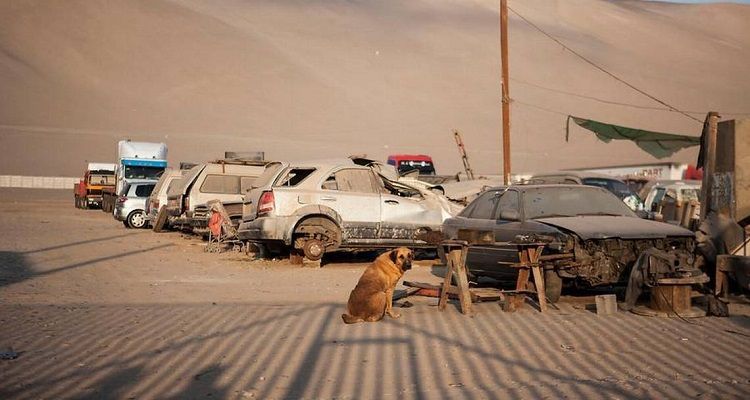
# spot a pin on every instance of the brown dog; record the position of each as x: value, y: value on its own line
x: 372, y: 298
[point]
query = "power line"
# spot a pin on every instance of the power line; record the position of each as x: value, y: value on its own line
x: 617, y: 103
x: 549, y: 110
x: 602, y: 69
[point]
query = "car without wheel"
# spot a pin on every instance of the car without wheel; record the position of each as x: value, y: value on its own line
x: 321, y: 206
x: 591, y: 237
x: 130, y: 206
x: 223, y: 180
x: 156, y: 205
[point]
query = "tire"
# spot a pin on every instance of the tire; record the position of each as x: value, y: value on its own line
x: 161, y: 219
x: 552, y: 285
x: 136, y: 220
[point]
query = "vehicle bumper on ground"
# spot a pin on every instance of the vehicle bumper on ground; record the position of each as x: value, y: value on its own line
x: 266, y: 229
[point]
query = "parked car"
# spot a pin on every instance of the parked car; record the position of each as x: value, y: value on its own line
x: 678, y: 190
x: 223, y: 180
x: 593, y: 238
x: 614, y: 185
x: 130, y: 205
x: 666, y: 200
x: 321, y: 206
x: 158, y: 198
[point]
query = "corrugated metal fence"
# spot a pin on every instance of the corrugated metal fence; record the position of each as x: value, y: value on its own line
x: 37, y: 182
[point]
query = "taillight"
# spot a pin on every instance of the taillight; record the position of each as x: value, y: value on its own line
x: 187, y: 203
x: 122, y: 199
x: 155, y: 204
x: 266, y: 203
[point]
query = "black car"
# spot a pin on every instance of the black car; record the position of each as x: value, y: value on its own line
x: 596, y: 238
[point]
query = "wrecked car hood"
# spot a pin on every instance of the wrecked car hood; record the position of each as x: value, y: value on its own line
x: 604, y: 227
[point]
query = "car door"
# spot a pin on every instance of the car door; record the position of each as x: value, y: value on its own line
x: 353, y: 195
x: 494, y: 219
x: 403, y: 216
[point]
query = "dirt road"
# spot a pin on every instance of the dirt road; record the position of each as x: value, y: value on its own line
x: 99, y: 311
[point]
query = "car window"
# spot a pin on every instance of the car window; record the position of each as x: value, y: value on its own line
x: 690, y: 194
x: 172, y: 185
x: 221, y: 184
x: 569, y: 201
x: 143, y: 190
x: 246, y: 183
x: 507, y: 201
x: 352, y: 180
x: 659, y: 196
x: 102, y: 179
x: 294, y: 176
x: 484, y: 205
x: 618, y: 188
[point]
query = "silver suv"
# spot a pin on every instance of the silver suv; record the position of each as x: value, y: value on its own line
x: 223, y: 180
x: 321, y: 206
x: 130, y: 205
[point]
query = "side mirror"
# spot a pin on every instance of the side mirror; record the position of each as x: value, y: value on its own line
x: 509, y: 215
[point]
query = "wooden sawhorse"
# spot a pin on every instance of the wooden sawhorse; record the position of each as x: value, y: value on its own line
x: 455, y: 253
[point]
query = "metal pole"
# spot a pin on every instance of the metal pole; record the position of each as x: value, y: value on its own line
x: 505, y: 89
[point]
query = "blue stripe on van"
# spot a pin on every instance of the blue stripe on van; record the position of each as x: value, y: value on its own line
x: 142, y: 162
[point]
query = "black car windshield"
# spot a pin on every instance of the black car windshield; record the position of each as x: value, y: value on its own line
x: 138, y: 172
x: 565, y: 201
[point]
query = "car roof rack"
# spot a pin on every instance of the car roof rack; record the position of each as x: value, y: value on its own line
x: 240, y: 161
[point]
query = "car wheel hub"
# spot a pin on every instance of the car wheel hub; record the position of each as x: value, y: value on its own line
x: 314, y: 250
x: 138, y: 220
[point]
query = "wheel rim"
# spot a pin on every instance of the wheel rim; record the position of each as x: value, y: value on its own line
x: 138, y: 220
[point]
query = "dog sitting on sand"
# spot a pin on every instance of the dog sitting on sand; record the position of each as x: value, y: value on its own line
x: 372, y: 298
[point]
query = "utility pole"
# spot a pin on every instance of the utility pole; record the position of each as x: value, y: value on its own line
x: 505, y: 89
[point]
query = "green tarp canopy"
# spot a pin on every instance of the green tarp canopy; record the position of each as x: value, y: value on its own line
x: 659, y: 145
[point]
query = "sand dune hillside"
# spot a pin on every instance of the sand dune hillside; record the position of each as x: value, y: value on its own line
x: 323, y: 78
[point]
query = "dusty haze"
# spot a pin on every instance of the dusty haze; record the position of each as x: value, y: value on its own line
x: 311, y: 79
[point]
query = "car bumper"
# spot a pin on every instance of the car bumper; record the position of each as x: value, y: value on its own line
x: 266, y: 229
x: 121, y: 213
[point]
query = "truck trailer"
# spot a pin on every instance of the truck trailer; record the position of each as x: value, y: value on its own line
x: 136, y: 161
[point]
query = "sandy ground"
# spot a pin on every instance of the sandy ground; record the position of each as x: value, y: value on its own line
x: 99, y: 311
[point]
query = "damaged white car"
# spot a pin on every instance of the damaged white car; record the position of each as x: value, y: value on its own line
x: 322, y: 206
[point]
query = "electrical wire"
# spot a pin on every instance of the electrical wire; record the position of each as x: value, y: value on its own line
x: 602, y: 69
x: 617, y: 103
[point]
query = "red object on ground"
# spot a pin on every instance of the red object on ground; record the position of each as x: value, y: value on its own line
x: 214, y: 224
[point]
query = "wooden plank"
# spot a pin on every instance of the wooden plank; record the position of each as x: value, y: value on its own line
x: 533, y: 257
x: 523, y: 274
x: 459, y: 266
x: 443, y: 301
x: 540, y: 290
x: 398, y: 295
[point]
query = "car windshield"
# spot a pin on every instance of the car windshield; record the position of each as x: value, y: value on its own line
x: 424, y: 167
x: 139, y: 172
x: 97, y: 179
x: 567, y: 201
